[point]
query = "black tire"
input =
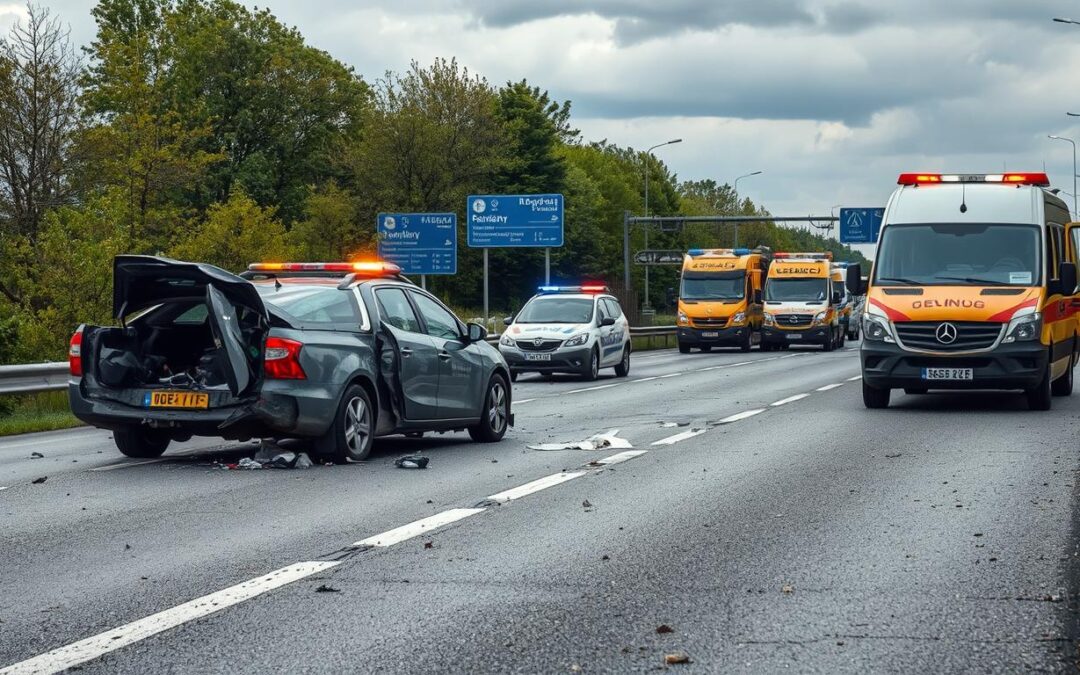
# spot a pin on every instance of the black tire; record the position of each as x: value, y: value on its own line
x: 684, y: 348
x: 592, y: 369
x: 495, y: 415
x: 352, y: 433
x: 705, y: 349
x: 745, y: 345
x: 513, y: 376
x: 765, y: 346
x: 622, y: 369
x: 1063, y: 386
x: 1040, y: 397
x: 830, y: 344
x: 915, y: 391
x: 141, y: 442
x: 875, y: 398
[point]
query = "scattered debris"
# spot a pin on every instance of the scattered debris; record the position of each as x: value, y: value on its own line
x: 605, y: 557
x: 303, y: 462
x: 664, y: 628
x: 787, y: 588
x: 587, y: 504
x: 327, y: 589
x: 36, y: 455
x: 978, y: 534
x: 430, y: 502
x: 39, y: 481
x: 127, y: 547
x: 899, y: 454
x: 263, y: 459
x: 248, y: 464
x: 597, y: 442
x: 429, y: 544
x: 676, y: 658
x: 411, y: 462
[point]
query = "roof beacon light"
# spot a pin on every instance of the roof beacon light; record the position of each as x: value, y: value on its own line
x: 1039, y: 179
x: 366, y: 268
x: 587, y: 288
x: 695, y: 252
x: 741, y: 251
x: 803, y: 256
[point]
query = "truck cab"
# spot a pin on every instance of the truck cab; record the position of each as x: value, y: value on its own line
x: 720, y: 298
x: 801, y: 301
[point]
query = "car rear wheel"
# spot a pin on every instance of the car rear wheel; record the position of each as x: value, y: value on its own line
x: 495, y: 414
x: 622, y: 369
x: 140, y: 442
x: 352, y: 433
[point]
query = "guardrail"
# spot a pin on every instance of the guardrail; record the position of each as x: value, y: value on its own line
x: 32, y: 378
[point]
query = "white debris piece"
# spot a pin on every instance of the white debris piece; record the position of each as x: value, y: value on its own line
x: 597, y: 442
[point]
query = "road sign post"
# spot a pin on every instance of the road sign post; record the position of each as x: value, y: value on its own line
x: 860, y: 226
x: 420, y: 243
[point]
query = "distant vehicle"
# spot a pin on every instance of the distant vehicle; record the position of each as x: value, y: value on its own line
x: 844, y: 307
x: 338, y: 353
x: 720, y: 302
x: 858, y: 306
x: 801, y: 301
x: 973, y: 287
x: 568, y: 329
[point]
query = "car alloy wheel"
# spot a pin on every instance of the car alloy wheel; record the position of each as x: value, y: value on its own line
x: 497, y: 407
x: 357, y: 425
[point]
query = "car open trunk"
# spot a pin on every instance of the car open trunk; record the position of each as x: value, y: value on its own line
x: 184, y: 328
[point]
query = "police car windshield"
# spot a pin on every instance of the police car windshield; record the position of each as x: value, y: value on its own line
x: 725, y: 286
x: 959, y: 255
x: 796, y: 290
x: 554, y: 309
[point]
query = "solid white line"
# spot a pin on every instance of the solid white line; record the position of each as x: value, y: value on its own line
x: 741, y: 416
x: 830, y: 386
x: 417, y: 528
x: 124, y: 465
x: 619, y: 458
x: 93, y: 647
x: 535, y: 486
x: 664, y: 377
x: 855, y: 379
x: 741, y: 363
x: 603, y: 386
x: 789, y: 399
x: 644, y: 379
x: 672, y: 440
x: 527, y: 400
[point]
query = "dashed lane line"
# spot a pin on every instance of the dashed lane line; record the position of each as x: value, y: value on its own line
x: 672, y: 440
x: 619, y: 458
x: 126, y: 465
x: 830, y: 387
x: 854, y: 379
x: 789, y: 399
x: 741, y: 416
x: 664, y: 377
x: 603, y: 386
x: 535, y: 486
x: 645, y: 379
x: 417, y: 528
x: 526, y: 400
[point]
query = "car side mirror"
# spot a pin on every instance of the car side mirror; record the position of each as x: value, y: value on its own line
x: 476, y: 332
x: 607, y: 321
x: 855, y: 283
x: 671, y: 297
x: 1068, y: 278
x: 508, y: 320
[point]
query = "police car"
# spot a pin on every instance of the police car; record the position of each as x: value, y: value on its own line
x: 568, y: 329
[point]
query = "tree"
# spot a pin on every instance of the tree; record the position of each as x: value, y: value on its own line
x: 234, y: 234
x: 330, y: 228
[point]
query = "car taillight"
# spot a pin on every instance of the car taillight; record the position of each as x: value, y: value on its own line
x: 281, y: 360
x: 75, y: 353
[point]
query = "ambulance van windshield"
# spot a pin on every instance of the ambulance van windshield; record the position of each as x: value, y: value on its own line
x: 959, y: 255
x: 556, y: 309
x: 704, y: 286
x: 796, y: 290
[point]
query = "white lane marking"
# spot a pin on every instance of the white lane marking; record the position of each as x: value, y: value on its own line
x: 664, y: 377
x: 645, y: 379
x: 672, y: 440
x: 2, y: 489
x: 26, y: 444
x: 619, y: 458
x: 789, y: 399
x: 417, y: 527
x: 855, y: 379
x: 741, y: 363
x: 830, y: 386
x: 603, y: 386
x: 535, y: 486
x: 124, y: 465
x: 91, y: 648
x: 741, y: 416
x: 527, y: 400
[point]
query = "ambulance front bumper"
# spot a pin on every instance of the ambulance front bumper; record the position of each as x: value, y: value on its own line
x: 1020, y: 365
x: 712, y: 336
x: 811, y: 336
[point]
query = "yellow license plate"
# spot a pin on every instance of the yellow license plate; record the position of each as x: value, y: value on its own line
x: 177, y: 399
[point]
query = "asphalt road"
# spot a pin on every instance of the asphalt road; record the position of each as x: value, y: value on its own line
x: 811, y: 536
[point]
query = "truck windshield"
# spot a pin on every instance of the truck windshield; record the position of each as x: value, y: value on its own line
x: 553, y: 309
x: 807, y: 289
x: 727, y: 286
x: 958, y: 255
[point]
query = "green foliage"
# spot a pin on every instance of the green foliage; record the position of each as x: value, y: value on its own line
x: 331, y: 228
x: 234, y: 234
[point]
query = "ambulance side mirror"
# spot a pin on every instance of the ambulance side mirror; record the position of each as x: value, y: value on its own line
x: 1068, y: 278
x: 855, y: 283
x: 671, y: 299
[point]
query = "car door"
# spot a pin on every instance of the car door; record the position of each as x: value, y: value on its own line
x: 461, y: 368
x: 617, y: 334
x: 417, y: 358
x: 609, y: 350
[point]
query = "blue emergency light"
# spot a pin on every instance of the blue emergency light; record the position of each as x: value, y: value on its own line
x: 741, y: 251
x: 588, y: 288
x: 695, y: 252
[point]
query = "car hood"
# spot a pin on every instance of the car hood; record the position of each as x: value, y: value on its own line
x: 951, y: 303
x: 553, y: 331
x: 140, y: 281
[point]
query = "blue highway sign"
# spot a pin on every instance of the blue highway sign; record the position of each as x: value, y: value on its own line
x: 496, y: 221
x: 421, y: 243
x: 860, y: 226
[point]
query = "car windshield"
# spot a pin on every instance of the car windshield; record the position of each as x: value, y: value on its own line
x: 807, y: 289
x: 310, y: 304
x: 958, y: 255
x: 553, y: 309
x: 726, y: 286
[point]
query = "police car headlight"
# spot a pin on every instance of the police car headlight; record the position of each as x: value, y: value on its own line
x: 769, y: 319
x: 819, y: 318
x: 739, y: 319
x: 1024, y: 328
x: 506, y: 340
x: 683, y: 319
x: 577, y: 340
x: 876, y: 328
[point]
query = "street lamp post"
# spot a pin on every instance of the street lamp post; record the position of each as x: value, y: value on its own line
x: 747, y: 175
x: 648, y: 155
x: 1062, y: 138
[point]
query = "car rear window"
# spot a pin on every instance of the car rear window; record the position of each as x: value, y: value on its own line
x: 312, y: 304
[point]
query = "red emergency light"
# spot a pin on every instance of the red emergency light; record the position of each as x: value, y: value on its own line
x: 372, y: 268
x: 1039, y: 179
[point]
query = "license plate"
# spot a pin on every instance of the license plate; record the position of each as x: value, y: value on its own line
x: 710, y: 334
x: 177, y: 399
x: 794, y: 336
x: 948, y: 374
x: 537, y: 357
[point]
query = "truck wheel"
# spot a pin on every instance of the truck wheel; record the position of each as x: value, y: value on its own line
x: 352, y: 433
x: 684, y: 348
x: 1039, y: 398
x: 875, y: 398
x: 495, y: 414
x: 1063, y: 386
x: 140, y: 442
x: 622, y: 369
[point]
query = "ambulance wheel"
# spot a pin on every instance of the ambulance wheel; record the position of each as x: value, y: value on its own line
x: 1039, y: 398
x: 875, y: 398
x: 1063, y: 386
x: 684, y: 348
x: 592, y: 368
x: 136, y: 441
x: 829, y: 344
x: 765, y: 346
x: 622, y: 368
x: 706, y: 348
x: 745, y: 345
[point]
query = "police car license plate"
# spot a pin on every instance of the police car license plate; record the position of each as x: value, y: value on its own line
x: 710, y: 334
x: 537, y: 357
x: 177, y: 399
x: 948, y: 374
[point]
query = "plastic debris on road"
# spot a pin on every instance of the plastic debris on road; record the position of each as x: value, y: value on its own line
x: 676, y: 658
x: 411, y: 462
x: 271, y: 456
x: 597, y: 442
x: 248, y: 464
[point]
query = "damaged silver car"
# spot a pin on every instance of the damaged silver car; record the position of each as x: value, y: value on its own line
x: 338, y: 353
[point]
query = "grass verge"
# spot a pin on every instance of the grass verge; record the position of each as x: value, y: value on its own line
x: 47, y: 411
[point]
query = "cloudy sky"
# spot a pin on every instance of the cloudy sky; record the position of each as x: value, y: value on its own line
x: 831, y: 99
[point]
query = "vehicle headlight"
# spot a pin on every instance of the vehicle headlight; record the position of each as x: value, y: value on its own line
x: 876, y: 328
x: 1024, y: 328
x: 769, y: 319
x: 507, y: 340
x: 739, y: 319
x: 683, y: 319
x: 577, y: 340
x: 819, y: 318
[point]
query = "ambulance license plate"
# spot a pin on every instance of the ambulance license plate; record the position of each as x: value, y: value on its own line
x: 710, y: 334
x: 177, y: 399
x: 794, y: 336
x: 537, y: 357
x: 948, y: 374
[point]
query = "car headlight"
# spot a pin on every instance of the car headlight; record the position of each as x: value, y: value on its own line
x: 876, y: 328
x: 506, y: 340
x: 1024, y: 328
x: 819, y: 318
x: 739, y: 319
x: 683, y: 319
x: 577, y: 340
x: 769, y: 319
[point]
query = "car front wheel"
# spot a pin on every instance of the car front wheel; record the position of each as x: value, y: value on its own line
x: 495, y: 415
x: 622, y: 369
x: 352, y: 433
x: 140, y: 442
x: 592, y: 368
